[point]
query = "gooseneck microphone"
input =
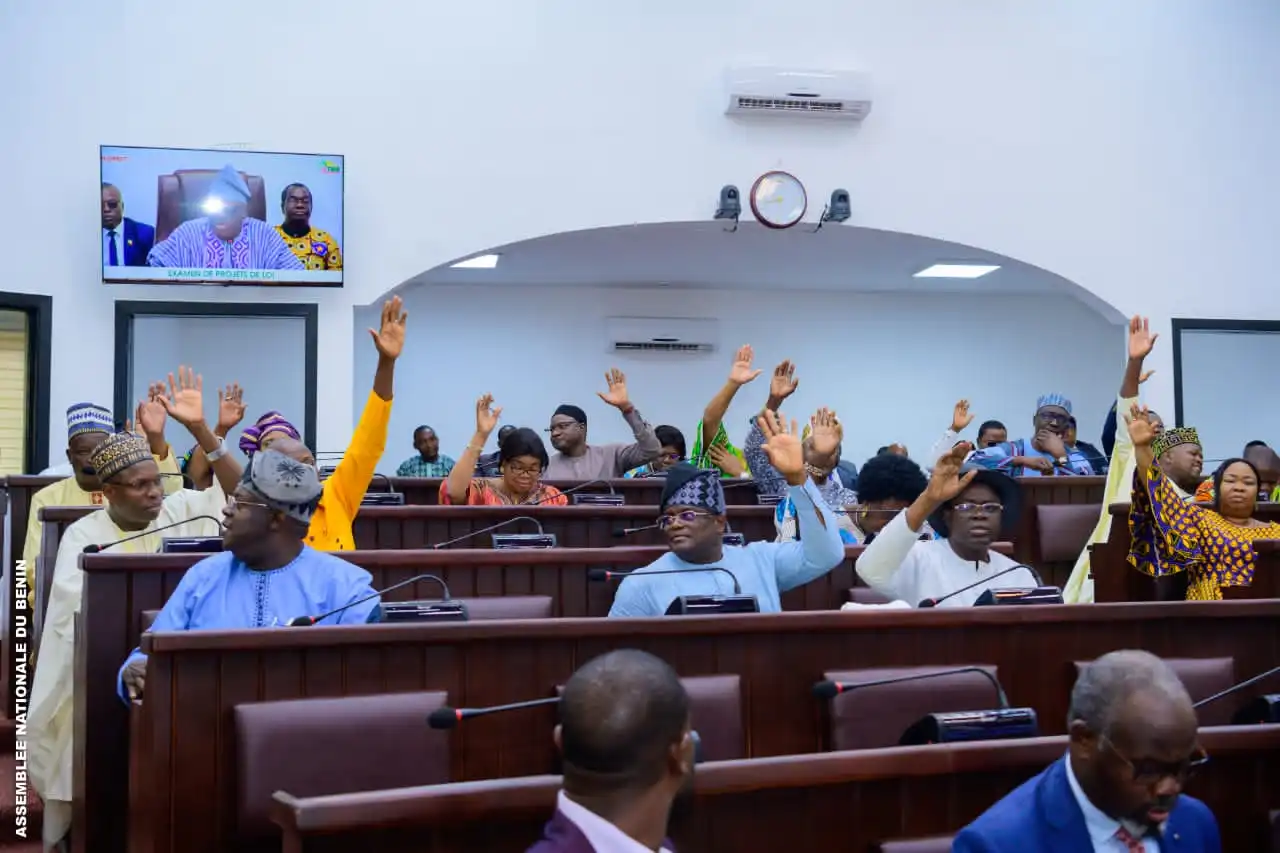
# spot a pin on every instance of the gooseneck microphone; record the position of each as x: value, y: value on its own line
x: 832, y: 689
x: 501, y: 524
x: 445, y: 717
x: 934, y: 602
x: 606, y: 575
x: 620, y: 532
x: 1235, y: 688
x: 96, y: 549
x: 305, y: 621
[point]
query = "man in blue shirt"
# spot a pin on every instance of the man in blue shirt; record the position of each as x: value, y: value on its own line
x: 693, y: 518
x: 1044, y: 455
x: 266, y: 575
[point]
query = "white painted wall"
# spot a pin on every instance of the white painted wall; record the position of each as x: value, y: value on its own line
x: 1218, y: 369
x: 892, y: 366
x: 1131, y: 147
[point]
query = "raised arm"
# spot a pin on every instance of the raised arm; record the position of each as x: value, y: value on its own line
x: 961, y: 417
x: 1141, y: 342
x: 230, y: 412
x: 820, y: 548
x: 1164, y: 532
x: 646, y: 446
x: 184, y: 402
x: 458, y: 484
x: 713, y: 415
x: 350, y: 480
x: 781, y: 386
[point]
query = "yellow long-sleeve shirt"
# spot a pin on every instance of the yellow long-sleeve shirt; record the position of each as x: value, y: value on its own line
x: 331, y: 526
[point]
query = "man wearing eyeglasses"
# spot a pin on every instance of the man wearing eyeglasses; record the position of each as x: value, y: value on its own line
x: 1045, y: 454
x: 969, y: 508
x: 693, y: 519
x: 574, y: 459
x: 1132, y: 746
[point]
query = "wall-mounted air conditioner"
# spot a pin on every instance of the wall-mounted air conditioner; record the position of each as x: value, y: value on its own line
x: 766, y: 91
x: 662, y: 334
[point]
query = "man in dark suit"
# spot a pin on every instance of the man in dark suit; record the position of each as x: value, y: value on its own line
x: 628, y: 752
x: 125, y: 242
x: 1132, y: 746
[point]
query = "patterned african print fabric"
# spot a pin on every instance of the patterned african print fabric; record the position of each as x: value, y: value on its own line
x: 194, y: 244
x: 316, y: 249
x: 1169, y: 536
x: 481, y: 493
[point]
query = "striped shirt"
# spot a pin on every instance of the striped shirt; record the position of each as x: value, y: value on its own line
x: 194, y: 244
x: 416, y: 466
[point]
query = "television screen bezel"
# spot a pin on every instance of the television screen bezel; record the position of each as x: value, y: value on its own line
x: 218, y: 282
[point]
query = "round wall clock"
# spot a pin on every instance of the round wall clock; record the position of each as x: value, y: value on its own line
x: 778, y: 199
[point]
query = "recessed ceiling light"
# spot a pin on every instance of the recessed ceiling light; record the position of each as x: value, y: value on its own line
x: 956, y: 271
x: 479, y: 262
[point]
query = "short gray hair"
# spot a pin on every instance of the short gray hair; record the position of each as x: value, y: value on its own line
x: 1113, y: 678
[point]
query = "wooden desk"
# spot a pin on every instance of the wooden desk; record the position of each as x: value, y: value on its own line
x: 834, y: 801
x: 643, y: 491
x: 196, y: 678
x: 1115, y: 580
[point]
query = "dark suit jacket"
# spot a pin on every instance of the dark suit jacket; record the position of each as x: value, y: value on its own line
x: 1043, y: 815
x: 562, y: 835
x: 138, y: 240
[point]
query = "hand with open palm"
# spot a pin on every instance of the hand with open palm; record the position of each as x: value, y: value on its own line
x: 825, y: 433
x: 782, y: 447
x: 150, y: 416
x: 1141, y: 338
x: 617, y: 395
x: 185, y: 400
x: 741, y: 373
x: 784, y: 382
x: 486, y: 415
x: 1141, y: 430
x: 961, y: 417
x: 946, y: 481
x: 230, y: 408
x: 389, y: 339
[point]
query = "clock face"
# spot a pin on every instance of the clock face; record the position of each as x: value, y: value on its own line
x: 778, y: 199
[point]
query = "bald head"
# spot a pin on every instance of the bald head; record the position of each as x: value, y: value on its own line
x: 292, y: 448
x: 1109, y: 684
x: 622, y: 716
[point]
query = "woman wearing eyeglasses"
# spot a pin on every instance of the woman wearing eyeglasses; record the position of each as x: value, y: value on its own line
x: 968, y: 507
x: 522, y: 458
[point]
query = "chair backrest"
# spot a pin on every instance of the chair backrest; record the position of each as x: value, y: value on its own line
x: 934, y: 844
x: 179, y: 197
x: 1275, y: 831
x: 314, y: 747
x: 1065, y: 530
x: 1203, y: 677
x: 508, y: 607
x: 145, y: 620
x: 866, y: 595
x: 715, y: 703
x: 874, y: 717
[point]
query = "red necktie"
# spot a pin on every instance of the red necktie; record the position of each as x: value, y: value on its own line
x: 1133, y: 845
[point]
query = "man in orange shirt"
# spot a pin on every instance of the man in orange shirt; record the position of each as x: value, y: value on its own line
x: 330, y: 528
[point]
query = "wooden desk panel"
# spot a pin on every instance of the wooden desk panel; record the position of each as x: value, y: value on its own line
x: 834, y: 801
x: 196, y: 678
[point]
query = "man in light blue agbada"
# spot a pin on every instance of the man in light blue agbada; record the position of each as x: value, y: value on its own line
x: 266, y: 575
x: 693, y: 518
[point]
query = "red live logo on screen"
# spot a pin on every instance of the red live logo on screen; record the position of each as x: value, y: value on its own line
x: 114, y: 158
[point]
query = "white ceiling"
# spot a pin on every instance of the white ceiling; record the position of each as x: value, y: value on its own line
x: 706, y: 255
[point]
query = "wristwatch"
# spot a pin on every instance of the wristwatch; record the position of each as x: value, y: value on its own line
x: 219, y: 453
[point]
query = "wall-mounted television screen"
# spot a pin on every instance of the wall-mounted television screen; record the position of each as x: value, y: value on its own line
x: 193, y: 216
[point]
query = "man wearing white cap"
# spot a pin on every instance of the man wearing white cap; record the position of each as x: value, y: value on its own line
x: 1044, y: 455
x: 226, y: 237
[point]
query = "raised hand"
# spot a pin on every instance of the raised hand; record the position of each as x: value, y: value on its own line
x: 150, y: 416
x: 617, y: 396
x: 782, y: 446
x: 741, y: 373
x: 389, y: 339
x: 1141, y: 338
x: 826, y: 433
x: 486, y: 415
x: 185, y: 400
x: 784, y: 382
x: 946, y: 481
x: 961, y: 417
x: 230, y: 408
x: 1141, y: 431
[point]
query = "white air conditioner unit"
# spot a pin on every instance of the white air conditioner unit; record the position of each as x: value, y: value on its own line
x: 794, y: 92
x: 662, y: 334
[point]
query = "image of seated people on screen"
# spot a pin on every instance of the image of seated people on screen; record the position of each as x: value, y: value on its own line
x: 201, y: 216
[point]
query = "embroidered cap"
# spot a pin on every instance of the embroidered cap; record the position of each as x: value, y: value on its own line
x: 88, y: 417
x: 1054, y: 400
x: 117, y: 452
x: 284, y: 484
x: 693, y: 487
x: 1171, y: 438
